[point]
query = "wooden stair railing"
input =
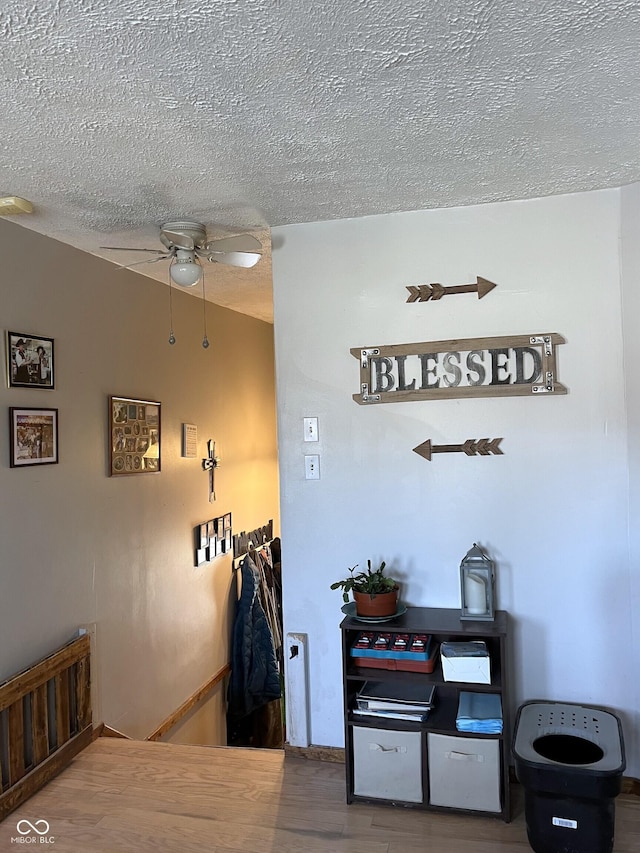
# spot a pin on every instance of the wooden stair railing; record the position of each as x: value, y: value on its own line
x: 45, y: 720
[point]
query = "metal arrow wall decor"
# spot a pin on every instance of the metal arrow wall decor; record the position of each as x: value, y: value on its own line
x: 481, y: 447
x: 433, y: 292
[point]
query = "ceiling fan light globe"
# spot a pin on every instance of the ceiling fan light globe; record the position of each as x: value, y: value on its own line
x: 185, y: 273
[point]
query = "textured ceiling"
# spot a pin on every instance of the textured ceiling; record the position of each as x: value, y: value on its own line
x: 245, y: 114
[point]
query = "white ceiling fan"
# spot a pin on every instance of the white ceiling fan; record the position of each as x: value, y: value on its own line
x: 186, y: 243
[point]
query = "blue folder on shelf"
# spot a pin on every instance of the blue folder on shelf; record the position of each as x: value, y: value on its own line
x: 480, y: 713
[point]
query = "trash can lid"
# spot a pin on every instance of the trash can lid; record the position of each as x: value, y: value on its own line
x: 539, y: 719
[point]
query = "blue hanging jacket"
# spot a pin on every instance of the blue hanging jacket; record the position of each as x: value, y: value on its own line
x: 254, y: 679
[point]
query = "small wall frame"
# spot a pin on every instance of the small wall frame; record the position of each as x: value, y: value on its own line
x: 134, y: 436
x: 29, y: 361
x: 189, y: 441
x: 34, y: 437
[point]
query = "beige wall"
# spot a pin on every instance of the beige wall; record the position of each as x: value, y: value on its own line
x: 80, y: 547
x: 205, y: 723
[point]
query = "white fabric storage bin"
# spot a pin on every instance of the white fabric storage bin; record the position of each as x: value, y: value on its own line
x: 387, y: 764
x: 464, y: 773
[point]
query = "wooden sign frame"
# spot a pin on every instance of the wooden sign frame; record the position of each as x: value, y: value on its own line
x: 508, y: 366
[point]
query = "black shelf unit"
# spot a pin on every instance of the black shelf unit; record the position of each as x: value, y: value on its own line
x: 443, y: 625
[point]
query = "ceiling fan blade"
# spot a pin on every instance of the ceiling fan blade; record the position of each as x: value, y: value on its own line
x: 129, y: 249
x: 140, y: 263
x: 181, y: 241
x: 234, y: 259
x: 240, y: 243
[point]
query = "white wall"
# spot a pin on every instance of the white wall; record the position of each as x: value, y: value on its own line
x: 630, y: 254
x: 79, y: 546
x: 552, y: 512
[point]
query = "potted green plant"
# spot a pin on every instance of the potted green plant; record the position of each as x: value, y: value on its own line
x: 374, y: 593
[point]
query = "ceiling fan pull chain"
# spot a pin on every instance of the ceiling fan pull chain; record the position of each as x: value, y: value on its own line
x: 172, y: 337
x: 205, y: 340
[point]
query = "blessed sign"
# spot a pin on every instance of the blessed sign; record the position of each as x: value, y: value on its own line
x: 508, y: 366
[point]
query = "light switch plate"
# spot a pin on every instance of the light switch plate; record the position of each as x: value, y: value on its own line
x: 312, y: 467
x: 310, y: 429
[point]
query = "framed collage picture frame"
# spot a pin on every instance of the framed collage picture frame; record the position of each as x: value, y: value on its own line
x: 30, y: 361
x: 134, y: 437
x: 33, y: 437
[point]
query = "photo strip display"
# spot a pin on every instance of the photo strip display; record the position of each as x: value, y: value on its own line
x: 134, y: 436
x: 212, y: 539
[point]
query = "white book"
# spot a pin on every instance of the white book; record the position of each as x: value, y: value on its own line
x: 392, y: 715
x: 392, y: 705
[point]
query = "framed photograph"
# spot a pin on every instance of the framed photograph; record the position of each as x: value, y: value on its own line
x: 33, y: 437
x: 29, y: 361
x: 134, y: 436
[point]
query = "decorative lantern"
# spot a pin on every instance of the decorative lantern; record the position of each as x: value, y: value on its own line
x: 477, y: 586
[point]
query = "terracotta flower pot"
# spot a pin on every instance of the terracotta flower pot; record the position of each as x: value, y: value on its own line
x: 381, y: 604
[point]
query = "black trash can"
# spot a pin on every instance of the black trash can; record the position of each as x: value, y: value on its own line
x: 569, y: 760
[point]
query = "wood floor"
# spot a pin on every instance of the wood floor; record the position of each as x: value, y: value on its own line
x: 133, y: 797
